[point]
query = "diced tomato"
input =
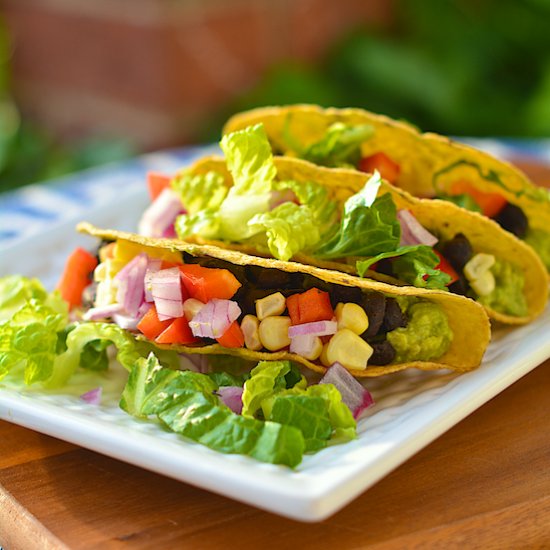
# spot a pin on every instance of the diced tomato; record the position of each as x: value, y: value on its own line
x: 447, y: 268
x: 177, y: 333
x: 490, y: 203
x: 76, y: 276
x: 307, y: 307
x: 233, y: 337
x: 151, y: 326
x: 206, y: 283
x: 157, y: 183
x: 167, y: 265
x: 389, y: 169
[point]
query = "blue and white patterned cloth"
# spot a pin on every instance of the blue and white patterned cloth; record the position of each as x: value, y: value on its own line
x: 30, y: 210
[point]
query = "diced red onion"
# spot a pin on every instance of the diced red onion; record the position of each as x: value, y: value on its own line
x: 316, y: 328
x: 131, y: 286
x: 152, y: 267
x: 160, y: 214
x: 92, y: 397
x: 354, y: 395
x: 166, y: 284
x: 303, y: 344
x: 170, y: 232
x: 279, y: 197
x: 412, y: 232
x: 128, y: 322
x: 97, y: 313
x: 167, y: 293
x: 231, y: 396
x: 214, y: 318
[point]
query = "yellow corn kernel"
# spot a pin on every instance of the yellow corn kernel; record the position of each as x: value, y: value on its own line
x: 191, y: 307
x: 352, y: 316
x: 273, y: 332
x: 348, y: 349
x: 271, y: 305
x: 315, y: 350
x: 323, y: 357
x: 250, y: 327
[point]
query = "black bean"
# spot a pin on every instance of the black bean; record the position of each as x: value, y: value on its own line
x: 313, y: 282
x: 383, y: 353
x: 263, y: 277
x: 385, y: 267
x: 513, y: 219
x: 458, y: 251
x: 460, y: 286
x: 374, y: 304
x: 345, y: 294
x: 393, y: 316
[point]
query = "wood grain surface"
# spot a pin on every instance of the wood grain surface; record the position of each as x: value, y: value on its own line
x: 484, y: 484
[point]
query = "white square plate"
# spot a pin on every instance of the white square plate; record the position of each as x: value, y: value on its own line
x: 412, y: 408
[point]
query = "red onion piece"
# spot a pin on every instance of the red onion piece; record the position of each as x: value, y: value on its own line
x: 167, y: 293
x: 131, y: 286
x: 160, y: 214
x: 152, y: 267
x: 214, y: 318
x: 354, y: 395
x: 231, y: 396
x: 279, y: 197
x: 97, y: 313
x: 302, y: 344
x: 316, y: 328
x: 412, y: 232
x: 92, y: 397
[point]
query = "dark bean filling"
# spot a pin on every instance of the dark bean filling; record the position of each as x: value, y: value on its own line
x: 393, y: 316
x: 458, y: 252
x: 383, y: 353
x: 513, y: 219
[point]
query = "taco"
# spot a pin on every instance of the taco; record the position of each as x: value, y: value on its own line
x: 344, y: 220
x: 201, y: 299
x: 426, y: 165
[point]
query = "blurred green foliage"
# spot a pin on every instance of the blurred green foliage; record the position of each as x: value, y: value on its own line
x: 460, y: 67
x: 28, y: 154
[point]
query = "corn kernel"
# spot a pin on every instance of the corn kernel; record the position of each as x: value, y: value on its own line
x: 273, y: 332
x: 352, y: 316
x: 323, y: 357
x: 348, y: 349
x: 250, y: 326
x: 271, y: 305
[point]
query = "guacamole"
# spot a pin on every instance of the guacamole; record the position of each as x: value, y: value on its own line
x: 540, y: 241
x: 427, y: 335
x: 508, y: 296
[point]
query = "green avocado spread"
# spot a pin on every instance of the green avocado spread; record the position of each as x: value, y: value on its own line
x: 508, y: 296
x: 540, y: 241
x: 427, y: 335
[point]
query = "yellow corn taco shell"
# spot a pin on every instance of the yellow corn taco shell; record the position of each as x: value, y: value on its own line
x: 467, y: 320
x: 429, y: 163
x: 442, y: 218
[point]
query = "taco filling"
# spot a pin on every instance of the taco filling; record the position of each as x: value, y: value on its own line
x: 364, y: 233
x: 367, y: 142
x: 173, y: 298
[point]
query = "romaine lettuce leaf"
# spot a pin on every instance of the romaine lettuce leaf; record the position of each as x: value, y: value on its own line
x: 290, y: 228
x: 200, y: 191
x: 205, y: 223
x: 463, y: 200
x: 369, y: 225
x: 250, y: 161
x: 266, y: 379
x: 185, y: 402
x: 413, y: 264
x: 340, y: 146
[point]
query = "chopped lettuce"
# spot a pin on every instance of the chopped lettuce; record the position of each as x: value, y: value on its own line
x: 369, y: 225
x: 201, y: 191
x: 414, y: 264
x: 463, y: 200
x: 340, y: 146
x: 290, y: 228
x: 186, y: 403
